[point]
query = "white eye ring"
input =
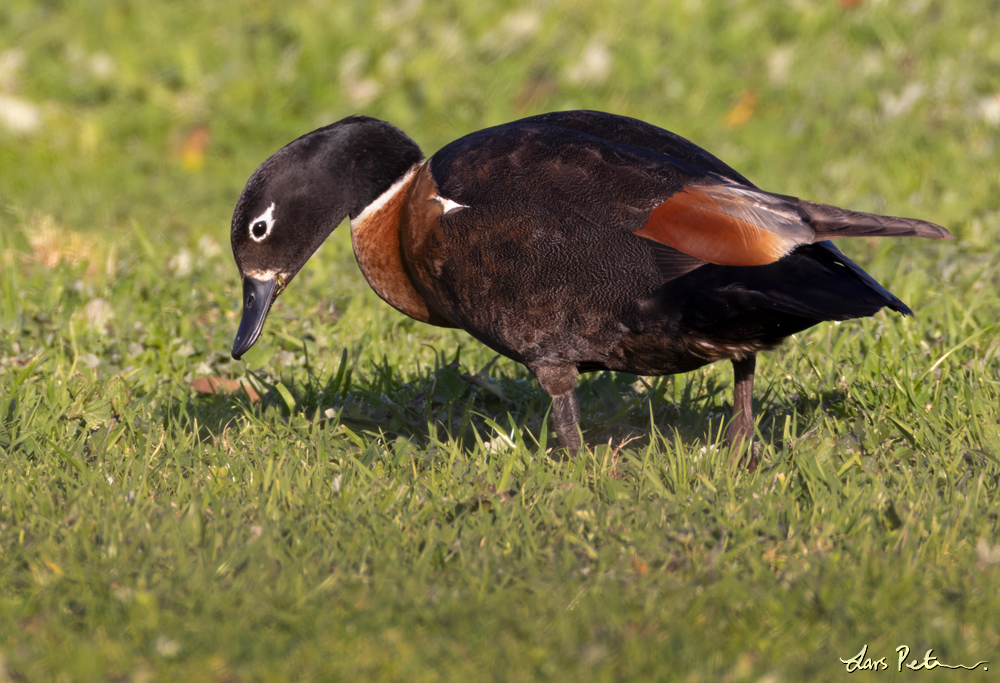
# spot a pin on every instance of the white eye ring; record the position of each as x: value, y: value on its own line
x: 267, y: 218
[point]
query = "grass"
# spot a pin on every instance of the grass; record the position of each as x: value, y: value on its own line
x: 387, y: 511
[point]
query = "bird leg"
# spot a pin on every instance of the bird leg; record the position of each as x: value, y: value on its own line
x: 741, y: 427
x: 566, y: 419
x: 560, y: 383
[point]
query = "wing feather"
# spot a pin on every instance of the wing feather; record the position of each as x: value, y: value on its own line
x: 729, y: 225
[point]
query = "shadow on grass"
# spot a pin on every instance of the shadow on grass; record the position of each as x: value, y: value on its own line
x: 443, y: 403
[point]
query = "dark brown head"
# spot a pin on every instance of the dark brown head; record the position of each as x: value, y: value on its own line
x: 295, y: 199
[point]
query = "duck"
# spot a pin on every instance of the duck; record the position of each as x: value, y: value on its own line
x: 570, y: 242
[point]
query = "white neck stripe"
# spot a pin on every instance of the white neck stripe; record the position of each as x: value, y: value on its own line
x: 386, y: 196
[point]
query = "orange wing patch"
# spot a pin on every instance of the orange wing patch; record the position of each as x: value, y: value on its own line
x: 728, y: 225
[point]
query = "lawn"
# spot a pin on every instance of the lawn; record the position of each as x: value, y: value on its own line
x: 365, y: 497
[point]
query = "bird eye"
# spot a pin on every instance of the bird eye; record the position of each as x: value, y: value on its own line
x: 260, y: 227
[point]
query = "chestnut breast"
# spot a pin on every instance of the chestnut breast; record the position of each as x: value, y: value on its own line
x: 375, y: 236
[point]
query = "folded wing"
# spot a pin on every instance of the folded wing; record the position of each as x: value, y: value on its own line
x: 735, y: 225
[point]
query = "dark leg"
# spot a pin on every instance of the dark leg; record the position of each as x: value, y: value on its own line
x: 566, y: 418
x: 741, y: 428
x: 560, y: 383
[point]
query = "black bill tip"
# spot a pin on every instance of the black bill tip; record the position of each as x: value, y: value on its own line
x: 257, y: 298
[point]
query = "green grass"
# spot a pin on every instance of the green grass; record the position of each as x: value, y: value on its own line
x: 388, y: 511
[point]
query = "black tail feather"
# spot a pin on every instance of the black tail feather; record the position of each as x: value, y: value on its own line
x: 767, y: 303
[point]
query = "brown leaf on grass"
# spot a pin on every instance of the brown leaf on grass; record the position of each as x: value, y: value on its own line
x: 192, y: 148
x: 744, y: 109
x: 52, y: 243
x: 639, y: 565
x: 223, y: 385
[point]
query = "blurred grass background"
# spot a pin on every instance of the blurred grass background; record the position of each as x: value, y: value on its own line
x: 388, y: 513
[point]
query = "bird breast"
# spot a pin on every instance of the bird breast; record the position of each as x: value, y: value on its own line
x: 375, y: 234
